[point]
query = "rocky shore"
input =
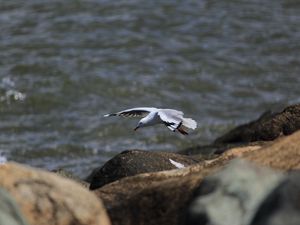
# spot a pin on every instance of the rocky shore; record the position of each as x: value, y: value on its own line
x: 249, y: 176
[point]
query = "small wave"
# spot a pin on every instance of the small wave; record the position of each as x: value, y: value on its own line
x: 7, y: 82
x: 10, y: 93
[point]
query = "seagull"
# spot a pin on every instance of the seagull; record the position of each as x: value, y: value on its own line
x: 171, y: 118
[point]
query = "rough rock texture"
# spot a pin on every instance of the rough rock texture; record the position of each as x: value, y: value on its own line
x: 214, y: 150
x: 129, y: 163
x: 161, y: 197
x: 283, y: 154
x: 152, y: 198
x: 268, y: 127
x: 232, y: 195
x: 45, y: 198
x: 282, y: 206
x: 9, y: 211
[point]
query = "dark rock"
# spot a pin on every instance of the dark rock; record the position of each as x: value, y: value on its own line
x: 132, y: 162
x: 10, y: 213
x: 282, y: 206
x: 266, y: 128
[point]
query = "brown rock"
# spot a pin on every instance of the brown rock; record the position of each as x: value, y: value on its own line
x: 152, y: 198
x: 215, y: 149
x: 283, y: 154
x: 45, y: 198
x: 162, y: 197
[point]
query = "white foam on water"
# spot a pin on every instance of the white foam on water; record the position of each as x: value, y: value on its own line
x: 11, y: 93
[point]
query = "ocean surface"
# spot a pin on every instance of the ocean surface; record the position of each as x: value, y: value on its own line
x: 64, y: 64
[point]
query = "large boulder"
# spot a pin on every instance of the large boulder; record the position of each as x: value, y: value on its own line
x: 233, y: 195
x: 45, y: 198
x: 151, y: 198
x: 266, y: 128
x: 282, y: 206
x: 162, y: 197
x: 132, y: 162
x: 158, y: 197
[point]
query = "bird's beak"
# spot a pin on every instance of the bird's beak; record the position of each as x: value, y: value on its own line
x: 136, y: 128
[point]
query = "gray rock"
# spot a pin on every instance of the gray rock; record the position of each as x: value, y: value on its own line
x: 132, y: 162
x: 233, y: 195
x: 9, y: 211
x: 282, y: 206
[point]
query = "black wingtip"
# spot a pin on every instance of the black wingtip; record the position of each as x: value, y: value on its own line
x: 111, y: 114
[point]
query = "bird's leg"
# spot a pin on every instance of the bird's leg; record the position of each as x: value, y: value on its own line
x: 181, y: 130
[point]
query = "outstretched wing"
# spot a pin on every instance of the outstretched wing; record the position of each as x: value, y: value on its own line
x: 172, y: 118
x: 134, y: 112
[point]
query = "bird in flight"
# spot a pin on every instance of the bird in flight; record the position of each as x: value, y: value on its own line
x: 173, y: 119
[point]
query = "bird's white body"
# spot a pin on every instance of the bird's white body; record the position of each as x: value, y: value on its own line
x: 172, y: 118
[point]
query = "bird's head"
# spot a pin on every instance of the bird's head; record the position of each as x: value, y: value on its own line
x: 142, y: 123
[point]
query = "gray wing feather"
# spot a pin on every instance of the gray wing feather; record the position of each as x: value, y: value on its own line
x: 134, y: 112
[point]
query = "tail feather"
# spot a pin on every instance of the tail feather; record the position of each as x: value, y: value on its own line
x: 189, y: 123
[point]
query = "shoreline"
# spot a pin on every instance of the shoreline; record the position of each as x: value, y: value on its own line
x: 141, y: 187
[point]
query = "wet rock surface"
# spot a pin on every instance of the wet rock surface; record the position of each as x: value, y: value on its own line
x: 133, y: 162
x: 45, y: 198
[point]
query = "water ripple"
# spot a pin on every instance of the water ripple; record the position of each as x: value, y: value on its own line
x: 66, y: 63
